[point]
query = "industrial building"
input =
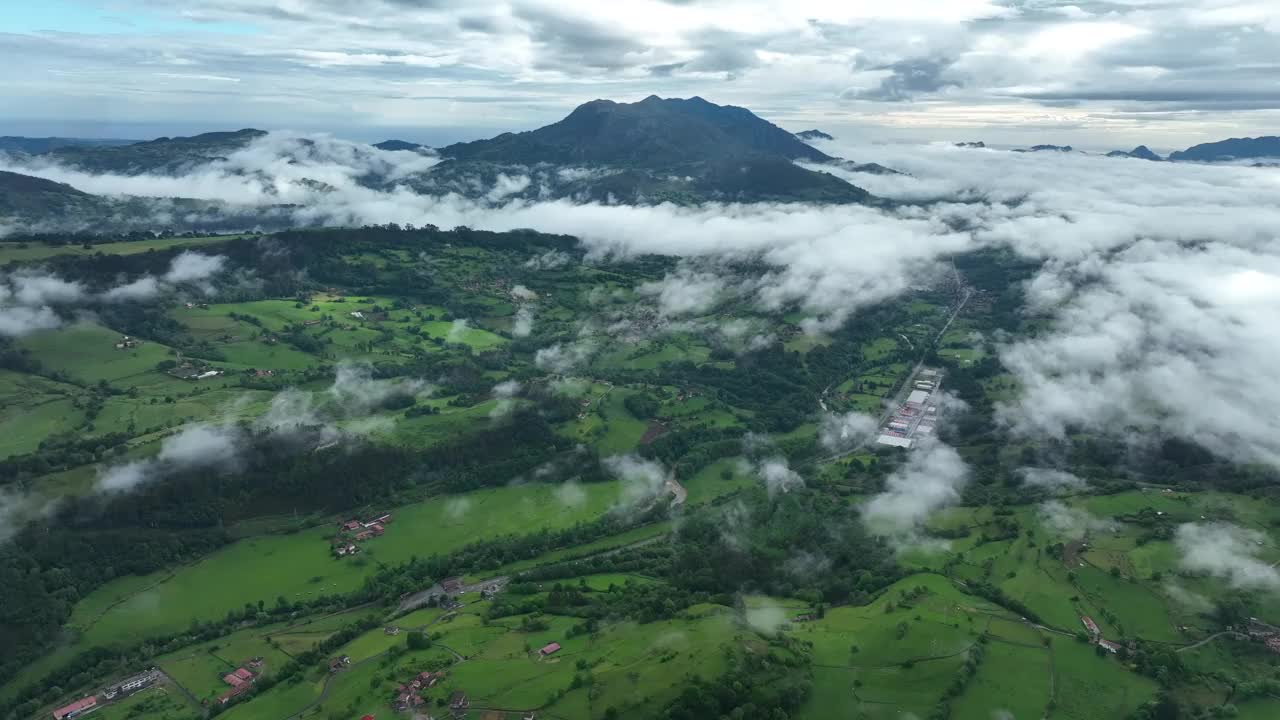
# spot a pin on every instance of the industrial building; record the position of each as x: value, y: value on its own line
x: 917, y: 416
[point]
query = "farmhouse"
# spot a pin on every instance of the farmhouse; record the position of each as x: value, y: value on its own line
x: 452, y: 585
x: 393, y: 630
x: 76, y: 709
x: 1108, y: 646
x: 238, y: 678
x: 351, y: 525
x: 336, y: 664
x: 549, y: 649
x: 1090, y: 625
x: 458, y: 702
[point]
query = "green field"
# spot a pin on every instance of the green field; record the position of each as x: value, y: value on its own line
x: 12, y: 252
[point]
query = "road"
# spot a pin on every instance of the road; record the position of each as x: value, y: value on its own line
x: 1211, y: 638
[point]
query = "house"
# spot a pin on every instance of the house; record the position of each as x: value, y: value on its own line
x: 336, y: 664
x: 377, y: 529
x: 238, y: 678
x: 76, y: 709
x: 549, y: 649
x: 428, y: 679
x: 1108, y: 646
x: 1090, y: 625
x: 393, y: 630
x: 364, y: 535
x: 458, y: 701
x: 452, y: 585
x: 1273, y: 643
x: 351, y: 525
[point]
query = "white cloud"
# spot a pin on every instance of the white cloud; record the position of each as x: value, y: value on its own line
x: 684, y: 292
x: 838, y: 433
x: 931, y: 479
x: 1071, y: 523
x: 1227, y: 552
x: 522, y: 326
x: 193, y: 267
x: 642, y: 479
x: 1055, y: 481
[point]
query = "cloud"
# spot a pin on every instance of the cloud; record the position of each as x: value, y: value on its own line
x: 522, y: 326
x: 642, y: 480
x: 776, y: 474
x: 195, y: 446
x: 193, y: 267
x: 684, y: 292
x: 458, y: 330
x: 1227, y: 552
x: 202, y: 445
x: 931, y: 479
x: 1055, y: 481
x: 144, y: 288
x: 570, y: 493
x: 561, y: 359
x: 505, y: 393
x: 839, y: 433
x: 19, y: 321
x: 356, y: 391
x: 1072, y: 523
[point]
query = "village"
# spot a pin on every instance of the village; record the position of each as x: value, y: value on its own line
x: 351, y: 532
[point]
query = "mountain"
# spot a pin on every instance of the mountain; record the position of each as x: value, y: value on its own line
x: 652, y: 133
x: 813, y: 135
x: 162, y: 155
x: 25, y: 196
x: 398, y: 145
x: 1232, y: 149
x: 1142, y: 152
x: 1048, y: 148
x: 975, y: 145
x: 655, y: 150
x: 37, y: 146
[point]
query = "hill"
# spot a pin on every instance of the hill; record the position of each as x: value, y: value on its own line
x: 398, y: 145
x: 37, y: 146
x: 162, y: 155
x: 1142, y: 152
x: 653, y: 133
x: 814, y: 135
x: 1231, y: 149
x: 25, y: 196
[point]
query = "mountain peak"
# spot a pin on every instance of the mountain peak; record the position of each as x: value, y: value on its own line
x: 653, y: 133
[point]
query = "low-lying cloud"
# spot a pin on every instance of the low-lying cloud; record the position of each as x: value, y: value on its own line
x: 932, y: 478
x: 1227, y: 552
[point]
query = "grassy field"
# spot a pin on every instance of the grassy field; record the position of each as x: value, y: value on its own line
x: 12, y: 252
x: 299, y: 565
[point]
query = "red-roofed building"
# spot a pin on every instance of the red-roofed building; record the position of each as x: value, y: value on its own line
x: 233, y: 680
x: 1090, y: 625
x: 243, y: 674
x: 1108, y: 646
x: 351, y: 525
x: 549, y: 649
x: 76, y: 709
x: 376, y: 529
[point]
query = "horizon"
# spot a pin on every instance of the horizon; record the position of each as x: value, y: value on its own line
x: 1095, y: 75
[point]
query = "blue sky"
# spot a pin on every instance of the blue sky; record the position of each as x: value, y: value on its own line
x: 1098, y: 74
x: 99, y: 17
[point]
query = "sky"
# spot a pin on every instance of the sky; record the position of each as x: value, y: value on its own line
x: 1095, y: 74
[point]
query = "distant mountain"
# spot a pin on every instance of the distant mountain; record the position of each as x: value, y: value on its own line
x: 1048, y: 148
x: 1232, y: 149
x: 1142, y: 152
x: 37, y: 146
x: 976, y: 145
x: 813, y: 135
x: 398, y: 145
x: 655, y: 150
x: 652, y: 133
x: 162, y: 155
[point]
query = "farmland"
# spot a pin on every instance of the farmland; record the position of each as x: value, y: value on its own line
x: 563, y: 463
